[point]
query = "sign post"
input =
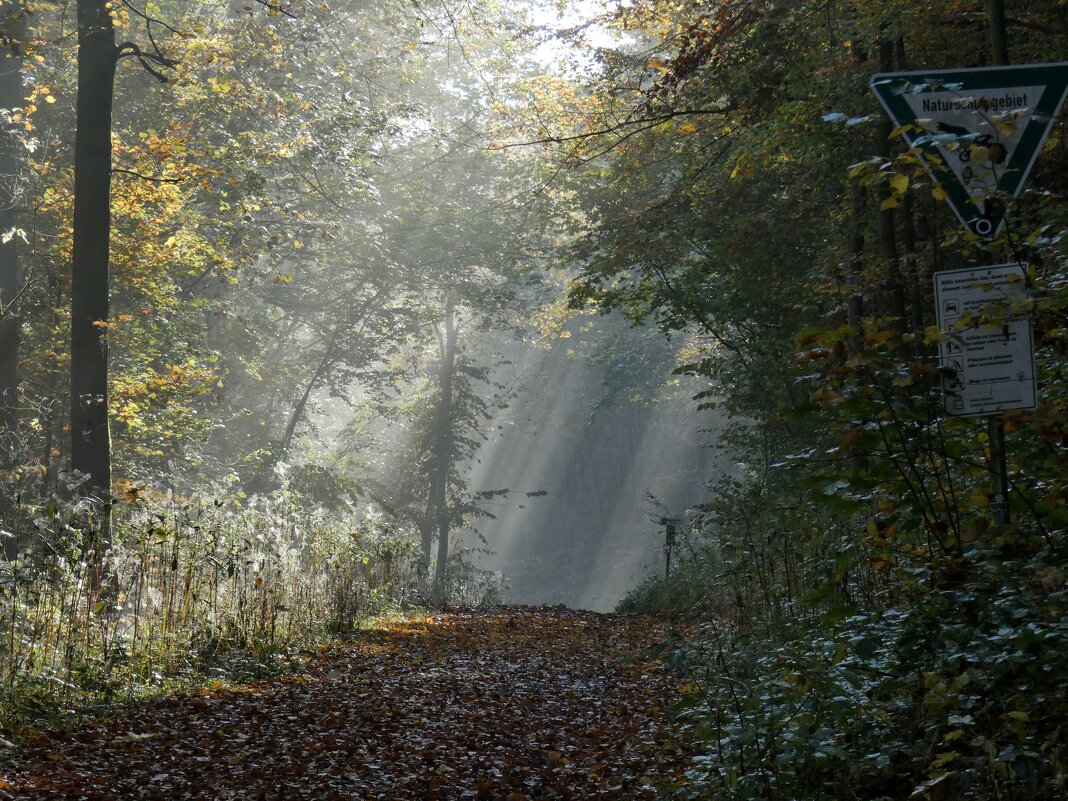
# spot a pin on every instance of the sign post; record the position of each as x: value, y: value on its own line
x: 999, y: 468
x: 987, y: 355
x: 669, y: 524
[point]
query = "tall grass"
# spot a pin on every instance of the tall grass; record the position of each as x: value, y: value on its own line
x: 187, y: 590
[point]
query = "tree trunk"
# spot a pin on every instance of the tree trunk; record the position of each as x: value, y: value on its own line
x: 11, y: 164
x: 887, y: 228
x: 443, y: 447
x: 262, y: 481
x: 855, y: 278
x: 426, y: 541
x: 855, y: 302
x: 12, y: 25
x: 90, y: 434
x: 909, y: 239
x: 55, y: 411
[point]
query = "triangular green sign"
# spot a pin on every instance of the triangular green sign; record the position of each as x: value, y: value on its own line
x: 978, y: 131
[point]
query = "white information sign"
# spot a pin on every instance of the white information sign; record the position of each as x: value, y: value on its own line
x: 987, y: 352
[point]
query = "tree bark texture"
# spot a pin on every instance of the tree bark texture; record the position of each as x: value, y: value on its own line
x: 887, y: 227
x: 90, y: 434
x: 12, y: 161
x: 855, y: 301
x: 918, y: 282
x: 11, y: 164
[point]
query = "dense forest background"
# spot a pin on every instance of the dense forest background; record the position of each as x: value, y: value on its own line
x: 414, y: 303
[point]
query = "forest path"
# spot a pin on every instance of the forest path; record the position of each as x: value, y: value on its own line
x: 512, y: 704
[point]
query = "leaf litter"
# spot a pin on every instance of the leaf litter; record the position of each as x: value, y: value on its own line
x: 510, y: 704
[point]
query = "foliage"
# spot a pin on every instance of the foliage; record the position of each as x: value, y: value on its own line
x: 951, y: 694
x: 288, y: 217
x: 190, y: 589
x: 297, y: 222
x: 883, y: 635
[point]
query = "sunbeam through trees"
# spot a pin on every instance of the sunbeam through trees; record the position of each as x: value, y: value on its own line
x: 336, y: 335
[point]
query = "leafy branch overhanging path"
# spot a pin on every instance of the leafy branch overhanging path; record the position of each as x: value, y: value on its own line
x: 508, y: 704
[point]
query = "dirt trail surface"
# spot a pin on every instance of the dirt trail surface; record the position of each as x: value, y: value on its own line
x: 509, y: 705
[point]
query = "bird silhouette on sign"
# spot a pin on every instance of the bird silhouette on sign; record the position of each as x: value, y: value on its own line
x: 996, y: 152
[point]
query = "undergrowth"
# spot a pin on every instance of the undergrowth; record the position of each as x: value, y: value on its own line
x: 878, y: 633
x: 189, y: 592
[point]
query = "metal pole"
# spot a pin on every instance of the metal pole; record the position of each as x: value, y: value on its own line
x: 667, y: 562
x: 999, y: 471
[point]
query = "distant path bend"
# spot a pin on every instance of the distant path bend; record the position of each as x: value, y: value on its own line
x: 513, y: 704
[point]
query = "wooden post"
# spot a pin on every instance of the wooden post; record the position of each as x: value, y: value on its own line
x: 999, y: 471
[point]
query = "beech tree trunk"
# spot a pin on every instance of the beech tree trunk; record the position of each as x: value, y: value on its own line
x: 855, y: 301
x: 887, y: 227
x: 90, y: 433
x: 443, y: 446
x: 11, y: 162
x: 12, y: 27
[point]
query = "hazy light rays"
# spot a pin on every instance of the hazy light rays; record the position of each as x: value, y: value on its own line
x: 595, y: 533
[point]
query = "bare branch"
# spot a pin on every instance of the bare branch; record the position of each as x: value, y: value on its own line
x: 645, y: 124
x: 150, y: 19
x: 147, y: 59
x: 6, y: 309
x: 276, y: 9
x: 153, y: 178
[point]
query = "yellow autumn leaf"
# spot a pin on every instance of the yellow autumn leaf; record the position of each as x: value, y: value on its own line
x: 879, y: 561
x: 939, y: 192
x: 899, y: 183
x: 743, y: 169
